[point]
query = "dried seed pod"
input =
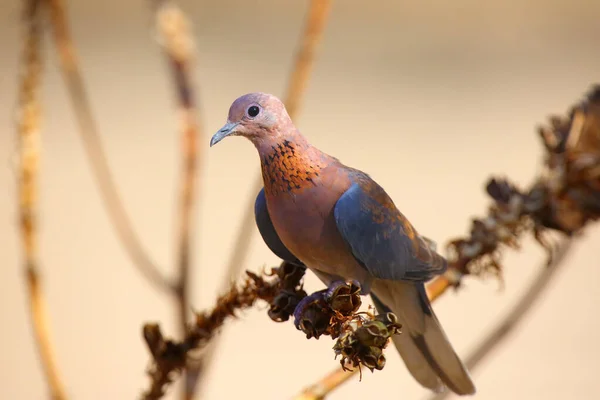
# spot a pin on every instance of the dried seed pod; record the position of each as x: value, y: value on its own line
x: 284, y: 304
x: 344, y: 298
x: 315, y: 319
x: 364, y: 345
x: 290, y: 275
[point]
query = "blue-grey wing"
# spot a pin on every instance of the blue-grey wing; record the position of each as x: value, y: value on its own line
x: 381, y: 238
x: 267, y: 230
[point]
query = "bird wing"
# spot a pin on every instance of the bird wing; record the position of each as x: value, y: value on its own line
x: 381, y: 238
x: 268, y: 232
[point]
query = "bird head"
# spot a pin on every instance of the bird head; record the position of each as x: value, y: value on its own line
x: 259, y: 117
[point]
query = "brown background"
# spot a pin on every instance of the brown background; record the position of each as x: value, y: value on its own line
x: 429, y: 97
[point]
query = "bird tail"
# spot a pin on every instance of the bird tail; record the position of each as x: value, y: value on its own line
x: 423, y: 345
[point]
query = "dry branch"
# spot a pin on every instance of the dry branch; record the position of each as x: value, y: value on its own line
x: 178, y: 45
x: 29, y: 145
x: 564, y: 198
x: 93, y: 145
x: 170, y: 357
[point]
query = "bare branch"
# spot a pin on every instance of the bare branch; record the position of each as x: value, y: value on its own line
x: 29, y: 145
x: 318, y: 14
x: 327, y: 384
x: 93, y: 145
x: 170, y: 357
x: 178, y: 44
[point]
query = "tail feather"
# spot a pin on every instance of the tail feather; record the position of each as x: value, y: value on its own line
x: 423, y: 345
x: 412, y: 356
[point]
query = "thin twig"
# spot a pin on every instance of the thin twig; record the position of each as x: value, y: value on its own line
x: 29, y: 143
x: 93, y: 146
x: 519, y: 311
x: 314, y: 27
x: 306, y: 53
x: 178, y: 45
x: 327, y: 384
x: 170, y: 357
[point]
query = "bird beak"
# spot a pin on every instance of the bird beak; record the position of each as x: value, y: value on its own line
x: 226, y: 130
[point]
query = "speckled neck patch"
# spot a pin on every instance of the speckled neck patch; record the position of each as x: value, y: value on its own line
x: 288, y: 167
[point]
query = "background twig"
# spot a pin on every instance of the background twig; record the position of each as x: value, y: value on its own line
x: 93, y: 146
x: 29, y: 143
x: 177, y: 42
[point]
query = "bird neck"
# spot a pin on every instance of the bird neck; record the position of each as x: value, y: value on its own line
x: 290, y: 165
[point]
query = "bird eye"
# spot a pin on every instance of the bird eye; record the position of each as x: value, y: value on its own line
x: 253, y: 111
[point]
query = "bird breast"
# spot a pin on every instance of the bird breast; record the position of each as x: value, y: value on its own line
x: 302, y: 213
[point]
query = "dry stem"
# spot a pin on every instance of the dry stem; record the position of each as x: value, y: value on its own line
x: 93, y: 145
x: 177, y: 42
x: 29, y: 143
x: 171, y: 357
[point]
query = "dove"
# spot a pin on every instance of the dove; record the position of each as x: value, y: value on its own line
x: 343, y: 226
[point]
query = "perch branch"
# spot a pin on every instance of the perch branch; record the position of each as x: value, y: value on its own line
x: 518, y: 312
x: 171, y: 356
x: 29, y: 144
x: 306, y: 54
x: 565, y: 198
x: 178, y: 45
x: 93, y: 146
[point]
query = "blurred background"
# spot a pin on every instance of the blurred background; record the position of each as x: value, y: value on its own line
x: 430, y: 98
